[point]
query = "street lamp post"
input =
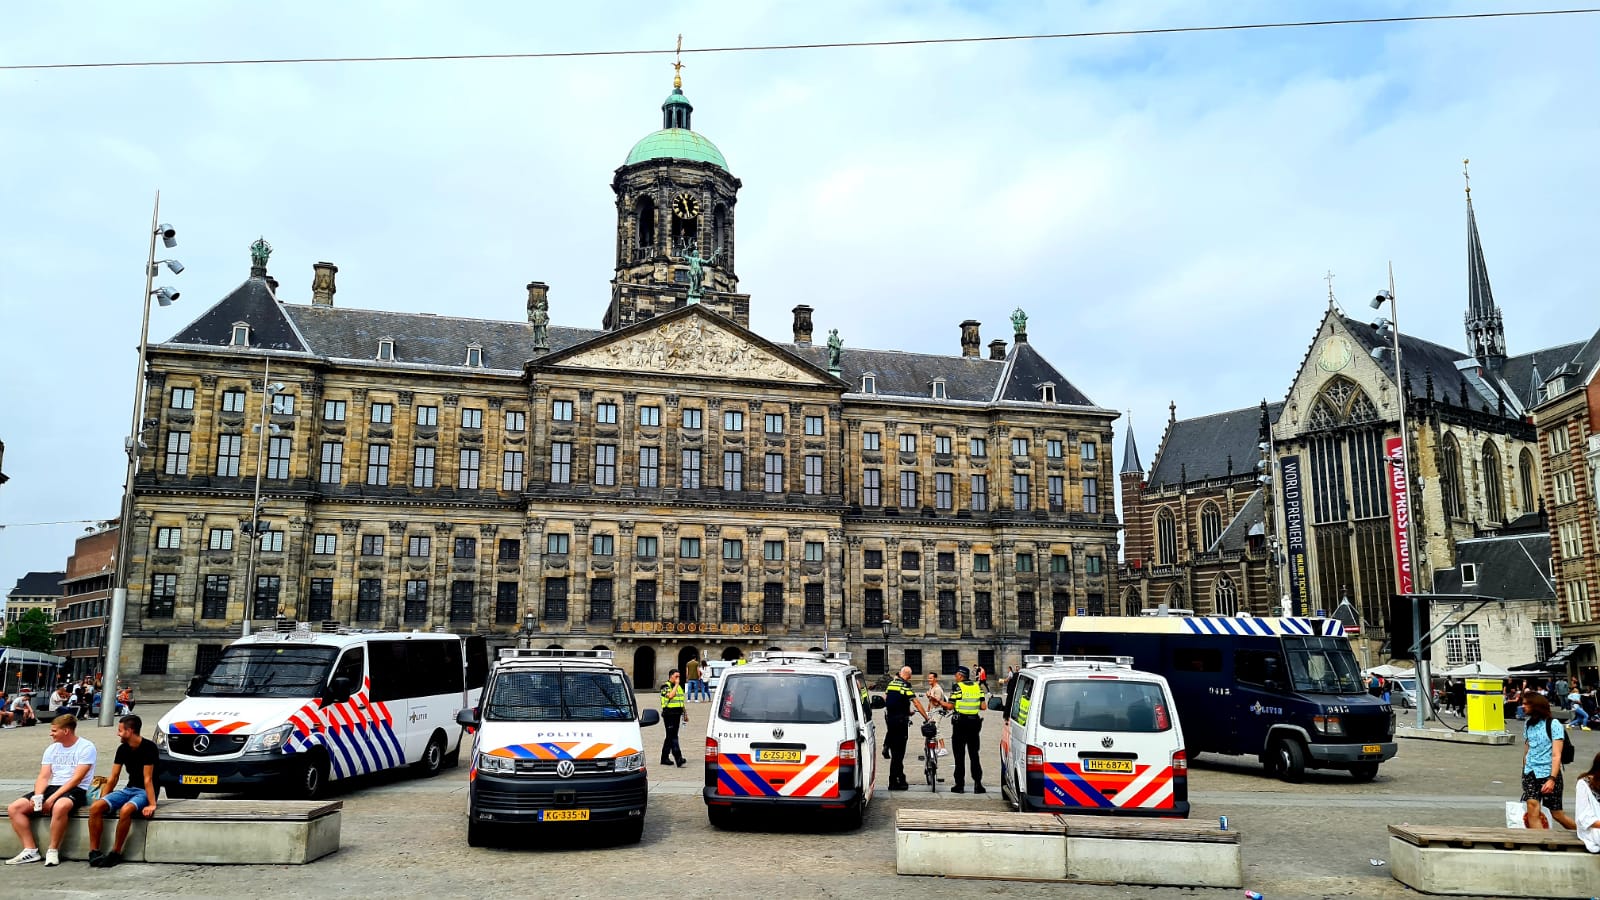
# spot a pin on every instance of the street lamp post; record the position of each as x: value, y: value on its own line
x: 525, y: 636
x: 119, y: 593
x: 886, y: 626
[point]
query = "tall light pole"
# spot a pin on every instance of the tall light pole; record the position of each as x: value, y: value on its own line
x: 119, y: 593
x: 269, y: 395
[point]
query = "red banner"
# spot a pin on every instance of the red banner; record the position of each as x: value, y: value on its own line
x: 1400, y: 513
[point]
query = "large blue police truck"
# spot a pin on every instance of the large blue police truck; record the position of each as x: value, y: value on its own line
x: 1286, y: 690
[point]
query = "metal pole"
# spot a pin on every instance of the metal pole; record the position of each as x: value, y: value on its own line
x: 1424, y: 684
x: 255, y: 504
x: 111, y: 665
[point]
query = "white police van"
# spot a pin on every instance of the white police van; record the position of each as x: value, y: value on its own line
x: 558, y: 745
x: 291, y: 711
x: 788, y: 731
x: 1092, y: 735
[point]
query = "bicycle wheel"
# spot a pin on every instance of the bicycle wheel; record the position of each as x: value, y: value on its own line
x: 931, y: 767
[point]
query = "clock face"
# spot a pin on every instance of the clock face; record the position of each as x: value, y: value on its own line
x: 686, y: 206
x: 1335, y: 355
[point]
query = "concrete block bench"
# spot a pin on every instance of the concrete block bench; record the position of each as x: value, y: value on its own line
x: 1045, y: 847
x: 1498, y: 862
x: 250, y: 832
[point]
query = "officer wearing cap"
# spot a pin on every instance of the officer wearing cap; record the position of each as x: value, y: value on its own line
x: 966, y: 700
x: 898, y: 698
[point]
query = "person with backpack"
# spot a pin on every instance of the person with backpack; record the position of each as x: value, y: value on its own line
x: 1545, y: 749
x: 1588, y: 791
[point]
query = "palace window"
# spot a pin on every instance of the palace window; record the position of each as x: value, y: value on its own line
x: 372, y: 545
x: 382, y: 413
x: 871, y: 487
x: 220, y: 539
x: 214, y: 597
x: 603, y: 544
x: 813, y: 425
x: 169, y: 538
x: 233, y: 401
x: 422, y: 470
x: 278, y: 450
x: 228, y: 453
x: 369, y: 599
x: 980, y: 493
x: 774, y: 423
x: 516, y: 422
x: 182, y: 398
x: 733, y: 470
x: 689, y: 472
x: 332, y: 469
x: 605, y: 464
x: 427, y: 415
x: 505, y: 603
x: 471, y: 418
x: 511, y: 471
x: 871, y: 440
x: 773, y: 473
x: 813, y: 479
x: 177, y: 453
x: 325, y: 543
x: 419, y: 545
x: 650, y: 416
x: 691, y: 418
x: 561, y: 410
x: 688, y: 548
x: 649, y: 467
x: 908, y: 490
x: 557, y: 543
x: 561, y: 462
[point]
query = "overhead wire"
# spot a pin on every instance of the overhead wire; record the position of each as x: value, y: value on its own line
x: 825, y: 45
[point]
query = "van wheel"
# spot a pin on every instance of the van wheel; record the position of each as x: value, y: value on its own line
x: 310, y: 781
x: 479, y: 834
x: 1364, y: 771
x: 720, y: 816
x: 1289, y: 759
x: 852, y: 818
x: 432, y: 761
x: 631, y: 832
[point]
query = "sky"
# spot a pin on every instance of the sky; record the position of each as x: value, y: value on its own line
x: 1163, y: 207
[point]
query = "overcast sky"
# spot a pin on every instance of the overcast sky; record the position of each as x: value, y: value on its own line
x: 1163, y: 207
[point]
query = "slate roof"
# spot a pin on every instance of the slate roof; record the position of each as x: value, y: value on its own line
x: 1200, y: 448
x: 1514, y: 567
x: 1580, y: 365
x: 347, y: 333
x: 1130, y: 455
x: 1251, y: 519
x: 38, y: 584
x: 1519, y: 371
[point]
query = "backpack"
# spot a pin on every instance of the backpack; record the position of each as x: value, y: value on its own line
x: 1568, y: 752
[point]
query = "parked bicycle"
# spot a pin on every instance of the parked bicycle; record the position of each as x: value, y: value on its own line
x: 930, y: 750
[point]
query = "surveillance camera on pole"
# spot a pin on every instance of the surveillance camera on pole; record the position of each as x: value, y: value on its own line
x: 168, y: 234
x: 172, y: 265
x: 1382, y: 298
x: 165, y: 296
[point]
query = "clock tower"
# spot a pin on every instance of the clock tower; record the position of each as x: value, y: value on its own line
x: 675, y: 224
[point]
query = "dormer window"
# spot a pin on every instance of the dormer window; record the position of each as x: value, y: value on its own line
x: 869, y: 383
x: 1469, y: 573
x: 386, y: 349
x: 241, y: 335
x: 938, y: 389
x: 1047, y: 393
x: 475, y: 356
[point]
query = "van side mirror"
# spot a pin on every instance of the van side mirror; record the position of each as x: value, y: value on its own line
x: 467, y: 718
x: 996, y: 702
x: 877, y: 702
x: 340, y: 689
x: 1272, y: 684
x: 649, y: 717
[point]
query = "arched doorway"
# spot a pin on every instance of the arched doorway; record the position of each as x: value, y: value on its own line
x: 684, y: 656
x: 555, y: 647
x: 774, y: 649
x: 601, y: 647
x: 732, y: 653
x: 816, y: 650
x: 644, y: 668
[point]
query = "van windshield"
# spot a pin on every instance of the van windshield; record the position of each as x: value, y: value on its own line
x: 559, y: 696
x: 780, y: 698
x: 1323, y: 665
x: 268, y: 670
x: 1136, y: 707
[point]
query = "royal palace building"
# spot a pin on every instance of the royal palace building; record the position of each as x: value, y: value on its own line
x: 667, y: 486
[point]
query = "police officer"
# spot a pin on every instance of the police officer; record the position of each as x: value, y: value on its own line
x: 966, y: 699
x: 673, y: 715
x: 898, y: 699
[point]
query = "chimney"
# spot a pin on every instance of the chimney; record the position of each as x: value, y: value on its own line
x: 539, y: 299
x: 802, y: 324
x: 969, y: 339
x: 273, y: 284
x: 322, y: 286
x: 997, y: 349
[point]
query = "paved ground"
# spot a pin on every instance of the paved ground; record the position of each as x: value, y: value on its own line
x: 404, y: 836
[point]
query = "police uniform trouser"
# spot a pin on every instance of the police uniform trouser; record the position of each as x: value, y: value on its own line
x: 895, y: 741
x: 671, y: 718
x: 964, y: 734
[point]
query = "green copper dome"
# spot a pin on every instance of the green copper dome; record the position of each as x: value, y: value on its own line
x: 676, y: 143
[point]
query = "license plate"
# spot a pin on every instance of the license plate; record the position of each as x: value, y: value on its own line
x: 199, y: 779
x: 1371, y: 748
x: 778, y: 756
x: 564, y: 815
x: 1108, y: 765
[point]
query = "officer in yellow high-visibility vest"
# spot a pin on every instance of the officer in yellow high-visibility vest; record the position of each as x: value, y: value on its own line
x: 673, y: 714
x: 966, y: 700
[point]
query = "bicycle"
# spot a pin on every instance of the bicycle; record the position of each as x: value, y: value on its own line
x: 930, y: 751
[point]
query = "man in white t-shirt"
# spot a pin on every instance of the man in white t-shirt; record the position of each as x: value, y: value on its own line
x: 56, y: 792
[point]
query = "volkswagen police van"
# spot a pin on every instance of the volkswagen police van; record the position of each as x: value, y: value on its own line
x: 290, y: 711
x: 1087, y: 735
x: 558, y: 745
x: 788, y: 731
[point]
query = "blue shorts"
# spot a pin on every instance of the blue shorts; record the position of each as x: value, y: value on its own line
x: 133, y: 795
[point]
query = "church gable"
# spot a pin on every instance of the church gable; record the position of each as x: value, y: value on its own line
x: 690, y: 343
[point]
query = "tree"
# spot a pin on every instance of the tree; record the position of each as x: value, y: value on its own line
x: 31, y: 631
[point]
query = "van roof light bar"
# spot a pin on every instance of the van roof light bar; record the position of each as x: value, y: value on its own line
x: 1122, y: 662
x: 840, y: 657
x: 531, y: 653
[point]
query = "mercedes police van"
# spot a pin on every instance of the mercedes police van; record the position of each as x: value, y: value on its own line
x: 1285, y: 690
x: 557, y: 746
x: 788, y: 731
x: 290, y: 711
x: 1092, y: 735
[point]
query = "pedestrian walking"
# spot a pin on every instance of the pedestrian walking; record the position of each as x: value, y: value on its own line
x: 967, y: 702
x: 673, y: 716
x: 1542, y: 738
x: 696, y: 687
x: 1580, y: 716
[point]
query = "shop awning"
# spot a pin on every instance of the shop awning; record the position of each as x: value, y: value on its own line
x: 1560, y: 657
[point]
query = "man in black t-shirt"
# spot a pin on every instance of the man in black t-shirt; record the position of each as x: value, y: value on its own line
x: 139, y: 757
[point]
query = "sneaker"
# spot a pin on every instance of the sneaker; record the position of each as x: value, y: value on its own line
x: 110, y: 859
x: 94, y: 858
x: 52, y: 857
x: 30, y: 855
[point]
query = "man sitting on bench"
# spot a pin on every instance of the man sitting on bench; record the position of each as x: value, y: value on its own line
x: 56, y: 792
x: 138, y: 795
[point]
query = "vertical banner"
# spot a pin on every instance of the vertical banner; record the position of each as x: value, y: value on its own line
x: 1400, y: 519
x: 1294, y: 526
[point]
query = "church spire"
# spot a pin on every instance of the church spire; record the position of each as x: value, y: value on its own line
x: 1130, y: 453
x: 676, y: 109
x: 1486, y: 336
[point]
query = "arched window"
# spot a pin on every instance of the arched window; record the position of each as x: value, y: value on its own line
x: 1450, y: 478
x: 1131, y: 604
x: 1166, y: 538
x: 1341, y: 402
x: 1525, y: 469
x: 1210, y: 525
x: 719, y: 227
x: 1176, y: 599
x: 1493, y: 497
x: 647, y: 225
x: 1225, y: 597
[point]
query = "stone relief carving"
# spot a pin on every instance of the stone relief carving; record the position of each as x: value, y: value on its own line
x: 691, y: 346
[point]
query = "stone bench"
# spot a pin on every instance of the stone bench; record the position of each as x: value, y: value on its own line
x: 253, y: 832
x: 1499, y: 862
x: 1046, y: 847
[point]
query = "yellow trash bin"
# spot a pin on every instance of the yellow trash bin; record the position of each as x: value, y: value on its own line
x: 1485, y: 706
